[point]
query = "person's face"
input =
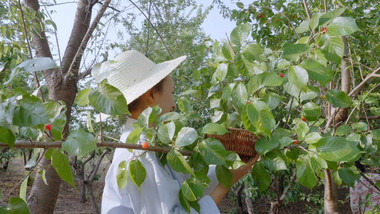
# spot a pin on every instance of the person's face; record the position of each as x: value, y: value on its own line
x: 164, y: 98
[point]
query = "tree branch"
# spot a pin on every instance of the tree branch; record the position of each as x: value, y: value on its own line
x: 361, y: 85
x: 166, y: 47
x: 86, y: 38
x: 58, y: 144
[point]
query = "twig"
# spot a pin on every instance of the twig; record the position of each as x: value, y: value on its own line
x: 287, y: 188
x: 58, y: 144
x: 30, y: 49
x: 166, y: 47
x: 370, y: 181
x: 87, y: 37
x: 290, y: 108
x: 368, y: 77
x: 56, y: 41
x: 93, y: 173
x: 306, y: 9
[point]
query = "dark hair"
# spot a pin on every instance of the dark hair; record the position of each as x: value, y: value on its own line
x: 136, y: 103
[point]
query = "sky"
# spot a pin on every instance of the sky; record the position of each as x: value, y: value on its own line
x: 214, y: 25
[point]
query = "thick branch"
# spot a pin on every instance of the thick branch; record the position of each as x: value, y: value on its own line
x: 73, y: 69
x: 48, y: 145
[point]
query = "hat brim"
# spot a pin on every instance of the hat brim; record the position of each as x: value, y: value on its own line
x: 133, y: 73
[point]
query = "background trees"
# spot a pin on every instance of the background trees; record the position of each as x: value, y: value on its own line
x: 303, y: 76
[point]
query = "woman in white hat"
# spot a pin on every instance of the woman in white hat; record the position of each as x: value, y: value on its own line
x: 144, y: 84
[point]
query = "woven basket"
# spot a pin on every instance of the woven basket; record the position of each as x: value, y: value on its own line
x: 240, y: 141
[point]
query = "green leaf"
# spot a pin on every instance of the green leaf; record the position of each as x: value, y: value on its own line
x: 80, y: 143
x: 317, y: 71
x: 137, y: 172
x: 240, y: 33
x: 170, y: 116
x: 122, y: 175
x: 343, y: 130
x: 212, y: 151
x: 311, y: 111
x: 61, y: 164
x: 261, y: 117
x: 298, y: 76
x: 313, y: 137
x: 309, y: 93
x: 338, y: 98
x: 292, y: 51
x: 108, y: 99
x: 376, y: 134
x: 82, y: 97
x: 305, y: 173
x: 303, y: 27
x: 30, y: 112
x: 166, y: 132
x: 53, y: 109
x: 134, y: 136
x: 7, y: 136
x: 360, y: 126
x: 186, y: 136
x: 214, y: 128
x: 227, y: 51
x: 292, y: 89
x: 272, y: 100
x: 332, y: 47
x: 264, y: 145
x: 184, y: 105
x: 58, y: 125
x: 89, y: 122
x: 262, y: 80
x: 314, y: 21
x: 349, y: 175
x: 220, y: 73
x: 302, y: 129
x: 329, y: 16
x: 224, y: 176
x: 332, y: 148
x: 261, y: 176
x: 32, y: 65
x: 343, y: 26
x: 23, y: 187
x: 184, y: 202
x: 253, y: 52
x: 239, y: 96
x: 188, y: 192
x: 143, y: 119
x: 178, y: 162
x: 16, y: 206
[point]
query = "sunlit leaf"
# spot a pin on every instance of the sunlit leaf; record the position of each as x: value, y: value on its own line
x: 137, y: 172
x: 61, y: 164
x: 79, y: 142
x: 178, y: 162
x: 334, y: 148
x: 338, y: 98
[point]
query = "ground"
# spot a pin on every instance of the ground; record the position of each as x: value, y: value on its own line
x: 68, y: 199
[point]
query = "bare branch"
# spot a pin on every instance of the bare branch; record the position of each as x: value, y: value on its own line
x: 361, y: 85
x: 58, y: 144
x: 306, y: 9
x: 166, y: 47
x: 86, y: 38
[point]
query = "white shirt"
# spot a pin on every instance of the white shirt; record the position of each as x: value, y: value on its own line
x: 158, y: 193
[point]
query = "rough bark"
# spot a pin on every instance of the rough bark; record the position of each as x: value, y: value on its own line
x: 330, y: 194
x: 42, y: 198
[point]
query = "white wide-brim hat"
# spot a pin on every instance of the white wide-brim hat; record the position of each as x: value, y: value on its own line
x: 133, y: 73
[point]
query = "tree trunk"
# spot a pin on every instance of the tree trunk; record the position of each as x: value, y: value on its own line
x: 330, y: 195
x: 42, y: 198
x: 248, y: 201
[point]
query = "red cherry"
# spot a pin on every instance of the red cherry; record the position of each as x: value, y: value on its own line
x: 303, y: 119
x: 145, y: 145
x: 208, y: 49
x: 324, y: 30
x: 48, y: 127
x: 294, y: 17
x: 282, y: 75
x: 295, y: 142
x: 248, y: 102
x: 261, y: 15
x: 277, y: 20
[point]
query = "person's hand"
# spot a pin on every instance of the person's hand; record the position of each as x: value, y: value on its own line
x: 220, y: 191
x: 243, y: 170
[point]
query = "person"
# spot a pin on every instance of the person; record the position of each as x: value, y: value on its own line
x: 144, y: 84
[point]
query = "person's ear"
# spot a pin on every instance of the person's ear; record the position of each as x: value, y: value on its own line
x: 149, y: 96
